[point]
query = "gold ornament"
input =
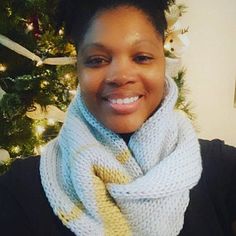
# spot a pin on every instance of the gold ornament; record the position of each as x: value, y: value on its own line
x: 50, y: 112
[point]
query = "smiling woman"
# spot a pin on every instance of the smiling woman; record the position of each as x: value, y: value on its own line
x: 122, y: 83
x: 125, y: 162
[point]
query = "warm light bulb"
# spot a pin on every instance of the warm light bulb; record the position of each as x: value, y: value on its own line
x: 61, y: 32
x: 2, y: 68
x: 67, y: 76
x: 72, y: 92
x: 30, y: 27
x: 51, y: 122
x: 40, y: 129
x: 16, y: 149
x: 44, y: 84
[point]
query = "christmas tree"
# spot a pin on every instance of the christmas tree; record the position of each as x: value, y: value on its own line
x: 34, y: 94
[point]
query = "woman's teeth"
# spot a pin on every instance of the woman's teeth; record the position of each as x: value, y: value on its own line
x: 124, y: 101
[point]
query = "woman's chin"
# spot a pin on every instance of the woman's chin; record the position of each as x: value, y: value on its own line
x: 123, y: 126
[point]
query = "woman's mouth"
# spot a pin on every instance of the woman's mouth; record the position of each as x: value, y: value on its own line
x: 124, y: 101
x: 126, y: 105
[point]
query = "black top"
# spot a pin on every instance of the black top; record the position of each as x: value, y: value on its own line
x: 24, y: 208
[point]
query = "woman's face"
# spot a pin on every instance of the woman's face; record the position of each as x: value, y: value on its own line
x: 121, y: 69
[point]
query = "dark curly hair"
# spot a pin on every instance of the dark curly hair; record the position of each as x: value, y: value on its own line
x: 76, y: 15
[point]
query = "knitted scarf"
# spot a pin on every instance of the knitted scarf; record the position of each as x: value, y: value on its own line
x: 98, y: 185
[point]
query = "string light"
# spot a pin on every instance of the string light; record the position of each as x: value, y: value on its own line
x: 41, y: 75
x: 16, y: 149
x: 61, y: 32
x: 39, y: 129
x: 44, y: 83
x: 72, y: 92
x: 29, y: 26
x: 67, y: 76
x: 2, y: 68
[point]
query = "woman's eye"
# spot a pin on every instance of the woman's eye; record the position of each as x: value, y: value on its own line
x: 96, y: 61
x: 143, y: 59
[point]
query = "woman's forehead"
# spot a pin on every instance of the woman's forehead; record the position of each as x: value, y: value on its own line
x: 127, y: 25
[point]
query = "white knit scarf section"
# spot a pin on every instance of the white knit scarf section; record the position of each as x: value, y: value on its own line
x: 160, y: 164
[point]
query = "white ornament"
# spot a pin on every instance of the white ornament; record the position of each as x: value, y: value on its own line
x: 4, y: 156
x: 176, y: 43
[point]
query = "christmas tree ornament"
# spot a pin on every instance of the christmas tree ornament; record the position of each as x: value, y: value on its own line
x: 4, y: 156
x: 176, y: 40
x: 49, y: 112
x: 176, y: 43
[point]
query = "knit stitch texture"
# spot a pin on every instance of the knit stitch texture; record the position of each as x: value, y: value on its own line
x: 97, y: 185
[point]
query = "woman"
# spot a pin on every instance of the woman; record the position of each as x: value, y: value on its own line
x: 125, y: 162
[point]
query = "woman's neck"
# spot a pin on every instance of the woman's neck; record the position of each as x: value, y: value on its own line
x: 126, y: 137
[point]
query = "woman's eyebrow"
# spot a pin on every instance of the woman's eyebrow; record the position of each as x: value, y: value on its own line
x: 100, y: 46
x: 93, y: 46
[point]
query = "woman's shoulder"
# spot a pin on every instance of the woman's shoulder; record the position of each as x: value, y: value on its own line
x: 219, y: 172
x: 23, y: 201
x: 218, y: 162
x: 22, y: 182
x: 218, y: 153
x: 22, y: 172
x: 21, y: 197
x: 212, y: 207
x: 217, y: 145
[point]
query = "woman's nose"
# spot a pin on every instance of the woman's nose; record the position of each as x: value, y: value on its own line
x: 120, y: 72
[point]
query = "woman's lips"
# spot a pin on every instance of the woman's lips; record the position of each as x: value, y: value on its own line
x: 125, y: 105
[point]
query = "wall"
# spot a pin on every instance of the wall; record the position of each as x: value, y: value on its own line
x: 211, y: 66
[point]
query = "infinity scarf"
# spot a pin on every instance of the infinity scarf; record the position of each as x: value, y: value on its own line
x: 98, y: 185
